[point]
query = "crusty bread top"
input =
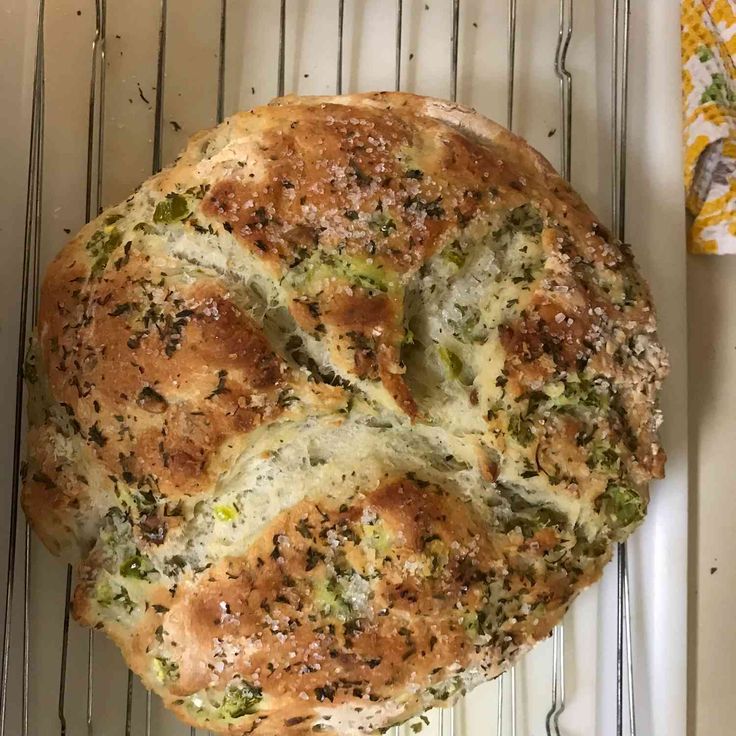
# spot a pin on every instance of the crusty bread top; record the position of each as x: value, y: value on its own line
x: 328, y: 310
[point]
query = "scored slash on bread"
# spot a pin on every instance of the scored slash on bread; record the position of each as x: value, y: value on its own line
x: 339, y: 412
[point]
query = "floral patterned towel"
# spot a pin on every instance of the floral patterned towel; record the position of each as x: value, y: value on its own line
x: 709, y: 102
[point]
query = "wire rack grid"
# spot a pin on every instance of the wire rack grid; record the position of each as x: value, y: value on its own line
x: 17, y: 623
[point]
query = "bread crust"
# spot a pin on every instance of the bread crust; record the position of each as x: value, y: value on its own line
x: 340, y: 412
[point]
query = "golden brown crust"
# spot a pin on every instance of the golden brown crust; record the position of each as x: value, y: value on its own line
x: 159, y: 374
x: 50, y: 489
x: 340, y: 606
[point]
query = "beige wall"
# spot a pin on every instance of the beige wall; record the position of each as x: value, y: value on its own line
x: 712, y: 391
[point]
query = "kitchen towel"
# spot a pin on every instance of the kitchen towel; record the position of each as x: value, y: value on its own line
x: 709, y: 125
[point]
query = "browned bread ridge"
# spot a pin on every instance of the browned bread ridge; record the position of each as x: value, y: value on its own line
x: 339, y: 412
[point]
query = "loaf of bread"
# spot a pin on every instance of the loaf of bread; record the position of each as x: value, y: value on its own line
x: 339, y: 412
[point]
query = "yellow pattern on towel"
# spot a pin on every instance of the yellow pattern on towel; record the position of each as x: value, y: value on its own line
x: 709, y: 127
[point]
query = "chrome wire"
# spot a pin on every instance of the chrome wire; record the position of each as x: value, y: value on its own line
x: 31, y: 255
x: 510, y: 675
x: 38, y: 121
x: 512, y: 694
x: 160, y: 74
x: 103, y: 71
x: 90, y: 683
x: 282, y: 48
x: 157, y: 163
x: 340, y: 27
x: 511, y: 46
x: 447, y: 721
x: 620, y: 83
x: 564, y: 35
x: 148, y: 713
x: 623, y: 646
x: 455, y: 48
x: 511, y: 73
x: 399, y: 24
x: 552, y: 721
x: 96, y: 111
x: 629, y: 659
x: 447, y: 715
x: 93, y: 204
x: 220, y: 116
x: 499, y: 711
x: 619, y: 117
x: 64, y: 652
x: 129, y: 705
x: 26, y: 625
x: 565, y: 78
x: 221, y: 63
x: 39, y: 78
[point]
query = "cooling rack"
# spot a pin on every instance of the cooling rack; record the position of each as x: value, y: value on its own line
x: 77, y: 700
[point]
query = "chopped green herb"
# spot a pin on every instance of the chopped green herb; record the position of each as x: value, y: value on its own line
x: 165, y: 669
x: 452, y: 362
x: 123, y: 598
x: 521, y: 429
x: 40, y: 477
x: 453, y: 254
x: 152, y: 401
x: 241, y: 700
x: 433, y: 209
x: 602, y: 455
x: 325, y: 693
x: 527, y: 275
x: 362, y: 178
x: 30, y: 372
x: 171, y: 209
x: 220, y: 388
x: 286, y: 398
x: 136, y: 566
x: 101, y: 245
x: 384, y: 225
x: 95, y: 435
x: 526, y: 219
x: 119, y: 309
x: 304, y: 529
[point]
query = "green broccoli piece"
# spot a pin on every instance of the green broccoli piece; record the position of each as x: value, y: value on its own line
x: 241, y: 700
x: 165, y: 669
x: 622, y: 505
x: 136, y: 566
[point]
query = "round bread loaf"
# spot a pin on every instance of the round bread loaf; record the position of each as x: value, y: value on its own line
x: 339, y: 412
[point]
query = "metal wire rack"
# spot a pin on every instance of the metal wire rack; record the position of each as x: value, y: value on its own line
x: 16, y: 618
